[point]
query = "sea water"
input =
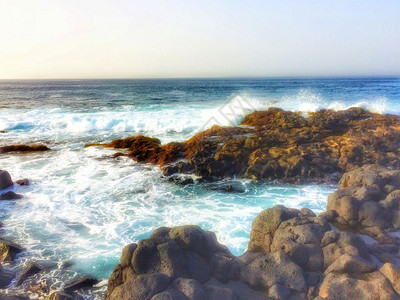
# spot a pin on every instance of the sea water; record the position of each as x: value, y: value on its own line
x: 83, y: 206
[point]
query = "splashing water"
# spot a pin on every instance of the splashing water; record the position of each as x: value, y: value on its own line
x: 83, y: 206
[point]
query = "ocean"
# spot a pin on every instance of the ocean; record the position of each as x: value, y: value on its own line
x: 83, y: 205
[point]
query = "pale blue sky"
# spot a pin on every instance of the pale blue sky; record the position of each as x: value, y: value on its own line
x: 130, y: 39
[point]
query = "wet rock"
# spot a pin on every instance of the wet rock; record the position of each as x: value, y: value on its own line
x: 80, y: 283
x: 6, y: 276
x: 5, y: 180
x: 59, y: 295
x: 10, y: 195
x: 8, y: 251
x: 23, y: 182
x: 23, y: 148
x: 292, y: 254
x: 279, y: 145
x: 30, y: 270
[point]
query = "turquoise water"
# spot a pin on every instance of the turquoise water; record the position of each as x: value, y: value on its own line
x: 83, y: 206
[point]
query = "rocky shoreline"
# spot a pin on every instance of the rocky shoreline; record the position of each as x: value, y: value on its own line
x: 278, y: 145
x: 350, y: 251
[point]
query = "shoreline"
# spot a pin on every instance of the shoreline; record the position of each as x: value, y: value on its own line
x: 209, y: 154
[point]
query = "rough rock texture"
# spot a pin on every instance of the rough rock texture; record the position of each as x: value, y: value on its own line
x: 292, y: 254
x: 8, y: 251
x: 23, y: 148
x: 367, y: 197
x: 277, y: 144
x: 5, y: 180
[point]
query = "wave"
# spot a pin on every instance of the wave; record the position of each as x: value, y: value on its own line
x: 169, y: 122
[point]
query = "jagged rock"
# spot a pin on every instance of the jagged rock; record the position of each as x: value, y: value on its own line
x: 30, y: 270
x: 8, y: 251
x: 23, y: 148
x: 279, y: 145
x: 81, y: 282
x: 6, y: 277
x: 367, y: 197
x: 5, y: 179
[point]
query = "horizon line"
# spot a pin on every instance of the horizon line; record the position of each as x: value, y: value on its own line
x: 210, y: 77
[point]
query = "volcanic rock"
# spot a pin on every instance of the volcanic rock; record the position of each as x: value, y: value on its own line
x: 279, y: 145
x: 23, y: 148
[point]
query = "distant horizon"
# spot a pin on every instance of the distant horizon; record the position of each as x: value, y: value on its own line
x: 210, y: 78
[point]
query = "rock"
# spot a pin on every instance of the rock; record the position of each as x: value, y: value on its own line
x: 23, y: 182
x: 342, y: 286
x: 367, y: 197
x: 80, y: 283
x: 279, y: 145
x: 5, y: 180
x: 10, y: 196
x: 141, y: 287
x: 59, y: 295
x: 265, y: 224
x: 6, y: 277
x: 292, y: 254
x: 184, y: 252
x: 8, y: 251
x: 30, y: 270
x: 392, y: 273
x: 126, y: 256
x: 261, y: 271
x: 23, y: 148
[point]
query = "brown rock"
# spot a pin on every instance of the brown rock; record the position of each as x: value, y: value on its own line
x: 8, y: 251
x: 23, y: 148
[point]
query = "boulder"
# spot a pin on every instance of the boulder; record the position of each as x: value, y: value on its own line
x: 367, y: 197
x: 10, y: 195
x: 5, y: 180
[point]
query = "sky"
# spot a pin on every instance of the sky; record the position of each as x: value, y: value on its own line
x: 193, y: 38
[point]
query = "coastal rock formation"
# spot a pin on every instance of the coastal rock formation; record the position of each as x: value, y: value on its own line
x: 279, y: 145
x: 367, y: 197
x: 5, y: 180
x: 23, y: 148
x: 292, y: 254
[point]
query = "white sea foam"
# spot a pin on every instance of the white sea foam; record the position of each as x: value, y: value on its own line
x: 85, y: 206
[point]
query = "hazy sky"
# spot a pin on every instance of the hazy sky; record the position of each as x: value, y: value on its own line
x: 128, y: 38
